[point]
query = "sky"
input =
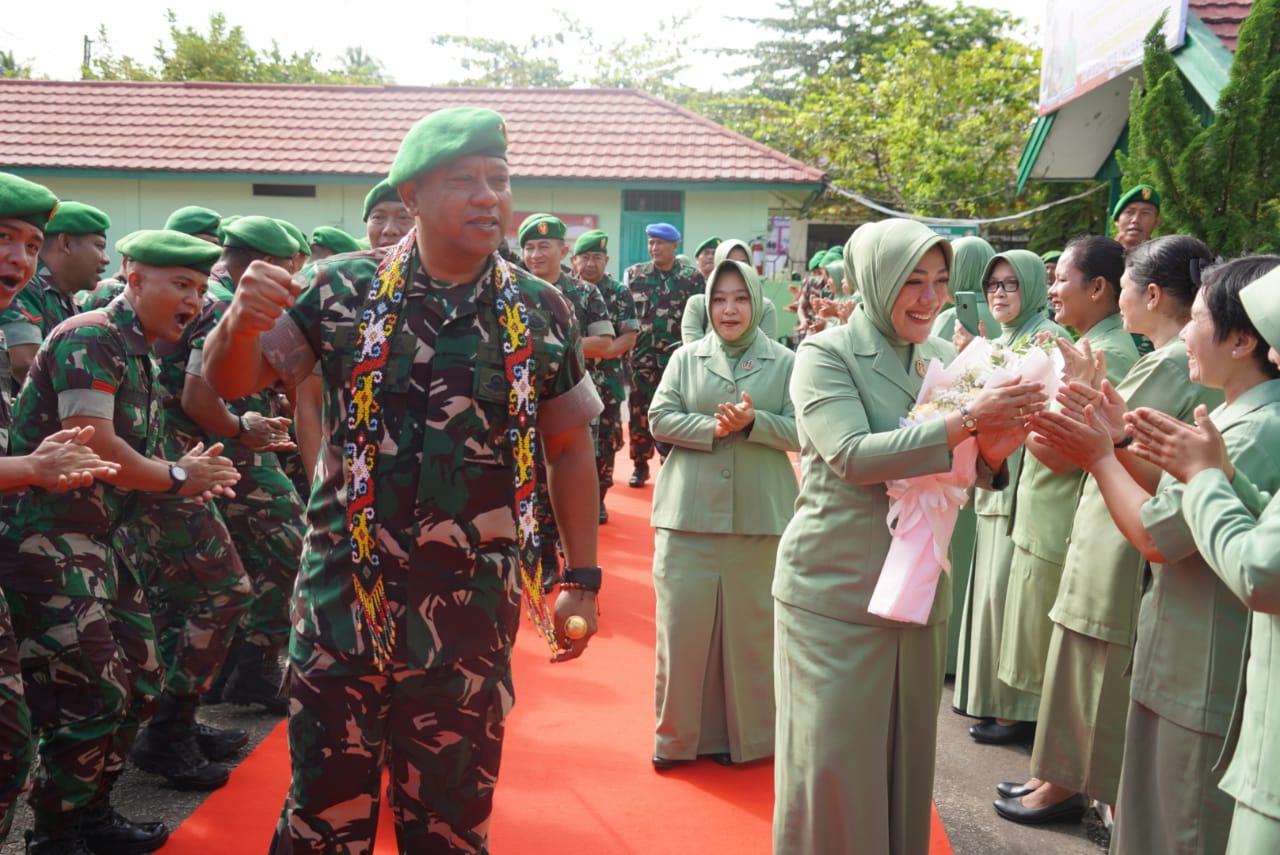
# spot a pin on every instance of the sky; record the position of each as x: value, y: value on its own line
x: 51, y: 38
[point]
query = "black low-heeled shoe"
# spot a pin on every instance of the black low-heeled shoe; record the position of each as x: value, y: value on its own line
x: 1013, y: 790
x: 722, y: 758
x: 994, y: 733
x: 1071, y: 808
x: 662, y: 764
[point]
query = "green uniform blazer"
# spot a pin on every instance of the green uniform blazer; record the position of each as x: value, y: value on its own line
x: 1102, y: 577
x: 1243, y: 551
x: 850, y: 390
x: 1045, y: 501
x: 743, y: 483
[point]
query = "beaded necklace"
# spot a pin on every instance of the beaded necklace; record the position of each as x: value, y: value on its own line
x: 380, y: 318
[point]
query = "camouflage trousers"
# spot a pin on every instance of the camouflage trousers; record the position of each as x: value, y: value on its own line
x: 438, y: 730
x: 92, y: 676
x: 265, y: 521
x: 15, y: 724
x: 195, y: 584
x: 644, y: 382
x: 608, y: 439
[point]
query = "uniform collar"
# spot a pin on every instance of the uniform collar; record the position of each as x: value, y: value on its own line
x: 125, y: 319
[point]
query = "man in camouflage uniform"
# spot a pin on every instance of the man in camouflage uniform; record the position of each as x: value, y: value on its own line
x: 386, y: 219
x: 87, y: 645
x: 660, y: 288
x: 72, y: 259
x: 541, y: 240
x: 610, y: 371
x: 196, y: 221
x: 265, y: 515
x: 428, y: 690
x: 59, y: 463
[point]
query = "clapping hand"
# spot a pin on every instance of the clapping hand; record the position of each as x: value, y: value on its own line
x: 63, y: 461
x: 735, y: 417
x: 1178, y: 448
x: 267, y: 433
x: 1108, y: 407
x: 209, y: 474
x: 1081, y: 364
x: 1085, y: 441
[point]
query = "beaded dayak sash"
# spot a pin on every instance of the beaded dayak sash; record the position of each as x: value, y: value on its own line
x: 380, y: 317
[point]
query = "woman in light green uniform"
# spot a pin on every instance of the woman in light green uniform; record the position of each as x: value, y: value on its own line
x: 857, y: 694
x: 1017, y: 300
x: 1221, y: 513
x: 1088, y: 704
x: 971, y: 257
x: 720, y: 504
x: 693, y: 321
x: 1084, y: 296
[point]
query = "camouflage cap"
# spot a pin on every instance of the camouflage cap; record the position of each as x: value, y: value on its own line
x: 1261, y: 301
x: 709, y: 243
x: 333, y: 239
x: 169, y: 248
x: 261, y: 234
x: 298, y: 236
x: 592, y: 241
x: 1141, y: 193
x: 445, y: 136
x: 540, y: 226
x: 26, y: 200
x: 77, y: 218
x: 383, y: 191
x: 194, y: 220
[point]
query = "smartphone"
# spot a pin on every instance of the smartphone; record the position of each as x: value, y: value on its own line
x: 967, y: 310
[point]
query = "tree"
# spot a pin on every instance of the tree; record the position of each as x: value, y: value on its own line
x: 1220, y: 180
x: 821, y: 39
x: 11, y: 68
x: 224, y: 53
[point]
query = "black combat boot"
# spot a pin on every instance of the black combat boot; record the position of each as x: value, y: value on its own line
x: 57, y: 834
x: 640, y: 474
x: 604, y: 512
x: 256, y: 680
x: 220, y: 743
x: 107, y: 832
x: 168, y: 747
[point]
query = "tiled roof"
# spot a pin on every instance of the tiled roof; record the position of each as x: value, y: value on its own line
x: 593, y: 134
x: 1222, y: 18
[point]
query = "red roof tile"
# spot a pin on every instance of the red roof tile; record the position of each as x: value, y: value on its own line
x: 593, y: 134
x: 1222, y: 18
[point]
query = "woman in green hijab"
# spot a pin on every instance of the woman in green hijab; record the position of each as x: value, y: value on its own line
x: 719, y: 507
x: 857, y: 694
x: 972, y: 254
x: 1017, y: 293
x: 693, y: 323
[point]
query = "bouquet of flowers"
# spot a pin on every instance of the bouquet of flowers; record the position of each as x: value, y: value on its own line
x: 922, y: 516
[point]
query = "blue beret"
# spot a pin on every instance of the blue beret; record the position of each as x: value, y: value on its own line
x: 662, y: 231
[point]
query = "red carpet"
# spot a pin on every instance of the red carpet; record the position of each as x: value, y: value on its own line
x: 576, y: 776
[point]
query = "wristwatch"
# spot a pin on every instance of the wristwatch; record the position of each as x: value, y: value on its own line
x: 968, y: 422
x: 178, y: 476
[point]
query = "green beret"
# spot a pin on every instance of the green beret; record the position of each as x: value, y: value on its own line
x: 830, y: 257
x: 1050, y: 256
x: 335, y: 240
x: 538, y: 227
x: 169, y: 248
x: 222, y: 226
x: 261, y: 234
x: 836, y: 251
x: 445, y: 136
x: 817, y: 259
x: 592, y: 241
x: 385, y: 191
x: 709, y: 243
x: 299, y: 238
x: 1261, y: 301
x: 77, y: 218
x: 25, y: 200
x: 1141, y: 193
x: 194, y: 220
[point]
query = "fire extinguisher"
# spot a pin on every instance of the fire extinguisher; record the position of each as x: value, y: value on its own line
x: 757, y: 255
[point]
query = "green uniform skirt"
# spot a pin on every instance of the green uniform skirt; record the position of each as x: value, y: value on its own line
x: 857, y: 734
x: 1080, y: 735
x: 979, y: 691
x: 1024, y: 643
x: 713, y: 691
x: 1169, y: 797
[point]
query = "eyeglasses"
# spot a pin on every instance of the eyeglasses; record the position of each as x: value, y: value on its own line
x: 1009, y: 286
